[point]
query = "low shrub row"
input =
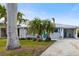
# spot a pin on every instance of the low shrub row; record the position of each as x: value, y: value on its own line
x: 39, y: 40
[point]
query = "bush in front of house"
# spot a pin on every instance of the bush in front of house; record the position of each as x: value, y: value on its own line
x: 34, y: 39
x: 48, y: 38
x: 22, y: 39
x: 39, y: 40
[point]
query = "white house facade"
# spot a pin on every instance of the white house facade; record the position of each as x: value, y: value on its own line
x: 22, y: 31
x: 64, y: 31
x: 61, y: 31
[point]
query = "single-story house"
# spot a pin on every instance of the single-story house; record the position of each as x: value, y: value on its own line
x: 22, y: 31
x: 64, y: 31
x: 61, y: 31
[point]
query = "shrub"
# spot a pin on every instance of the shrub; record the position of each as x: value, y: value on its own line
x: 22, y: 39
x: 34, y: 39
x: 40, y: 40
x: 48, y: 39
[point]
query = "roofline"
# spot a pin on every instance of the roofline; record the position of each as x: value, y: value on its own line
x: 72, y: 26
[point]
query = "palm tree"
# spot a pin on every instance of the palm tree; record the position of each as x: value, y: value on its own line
x: 46, y: 25
x: 53, y: 24
x: 3, y: 12
x: 38, y: 26
x: 12, y: 37
x: 24, y: 21
x: 20, y: 17
x: 34, y: 26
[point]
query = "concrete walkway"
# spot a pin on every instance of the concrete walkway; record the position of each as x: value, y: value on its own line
x: 67, y: 47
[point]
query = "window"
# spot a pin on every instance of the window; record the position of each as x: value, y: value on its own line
x: 3, y: 32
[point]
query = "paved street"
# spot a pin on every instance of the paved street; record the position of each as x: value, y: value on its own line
x: 64, y: 47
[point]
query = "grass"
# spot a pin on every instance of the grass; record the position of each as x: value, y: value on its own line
x: 28, y: 48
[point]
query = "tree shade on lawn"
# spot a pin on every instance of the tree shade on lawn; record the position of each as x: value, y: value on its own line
x: 12, y: 37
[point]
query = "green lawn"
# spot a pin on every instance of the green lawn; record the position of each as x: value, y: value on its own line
x: 28, y: 48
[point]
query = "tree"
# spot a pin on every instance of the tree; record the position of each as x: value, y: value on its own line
x: 40, y: 27
x: 47, y: 25
x: 12, y: 37
x: 53, y: 24
x: 34, y: 26
x: 24, y: 21
x: 3, y: 12
x: 20, y: 18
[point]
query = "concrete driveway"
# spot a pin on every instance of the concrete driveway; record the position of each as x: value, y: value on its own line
x: 64, y: 47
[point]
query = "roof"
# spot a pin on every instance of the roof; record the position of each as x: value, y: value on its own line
x: 22, y: 26
x: 65, y: 26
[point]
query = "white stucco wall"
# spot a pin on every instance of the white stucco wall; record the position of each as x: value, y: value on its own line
x: 62, y: 32
x: 55, y: 35
x: 75, y: 33
x: 22, y: 33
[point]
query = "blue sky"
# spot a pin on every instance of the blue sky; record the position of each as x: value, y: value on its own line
x: 63, y: 13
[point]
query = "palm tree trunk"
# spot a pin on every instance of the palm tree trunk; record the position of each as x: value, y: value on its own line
x: 12, y: 36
